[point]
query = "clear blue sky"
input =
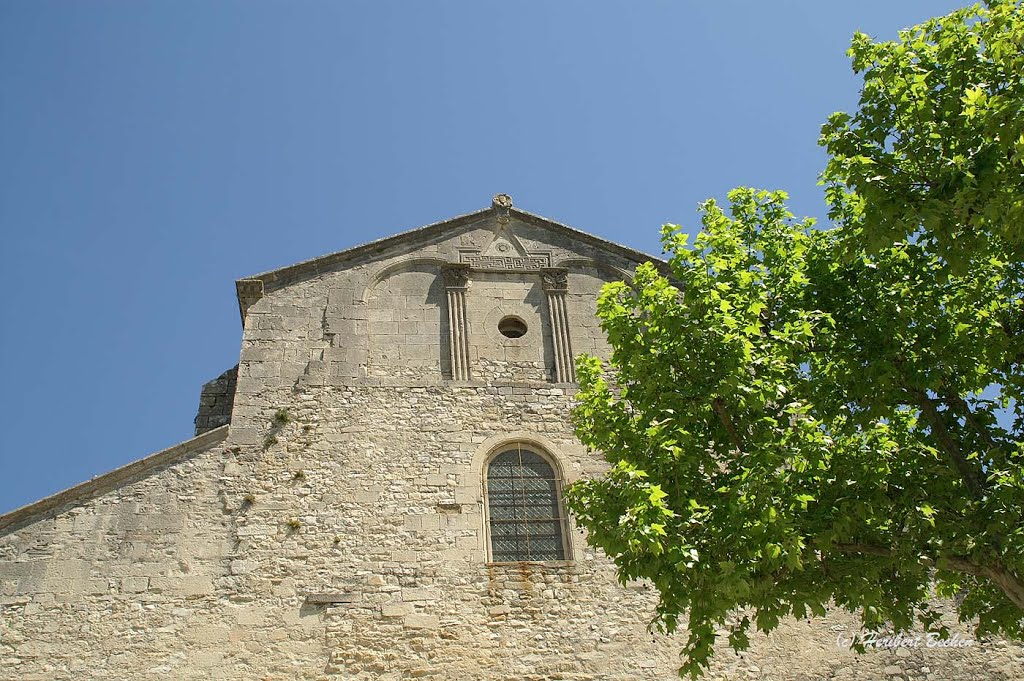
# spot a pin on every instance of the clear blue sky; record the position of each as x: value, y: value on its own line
x: 153, y: 152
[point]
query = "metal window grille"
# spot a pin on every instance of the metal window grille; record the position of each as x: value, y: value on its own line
x: 524, y: 513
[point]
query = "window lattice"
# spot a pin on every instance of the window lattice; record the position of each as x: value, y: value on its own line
x: 524, y: 513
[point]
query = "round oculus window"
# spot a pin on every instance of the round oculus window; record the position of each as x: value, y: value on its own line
x: 512, y: 327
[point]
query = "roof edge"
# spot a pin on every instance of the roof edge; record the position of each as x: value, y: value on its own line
x: 109, y: 480
x: 250, y: 289
x: 280, y: 274
x: 632, y: 253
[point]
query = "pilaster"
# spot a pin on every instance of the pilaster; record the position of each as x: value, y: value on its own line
x: 456, y: 280
x: 555, y: 281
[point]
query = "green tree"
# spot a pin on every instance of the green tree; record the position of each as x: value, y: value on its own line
x: 797, y: 418
x: 937, y: 143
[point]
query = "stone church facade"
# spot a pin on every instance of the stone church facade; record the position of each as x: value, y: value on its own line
x: 375, y: 493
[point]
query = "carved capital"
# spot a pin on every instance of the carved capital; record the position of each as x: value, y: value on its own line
x: 554, y: 279
x: 455, y: 276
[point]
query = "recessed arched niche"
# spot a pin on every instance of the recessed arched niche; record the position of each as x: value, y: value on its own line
x: 404, y: 322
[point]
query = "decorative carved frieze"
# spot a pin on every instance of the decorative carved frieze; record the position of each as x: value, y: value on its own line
x: 512, y: 263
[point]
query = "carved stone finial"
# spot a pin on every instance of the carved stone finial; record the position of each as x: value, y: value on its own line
x: 554, y: 279
x: 501, y: 202
x: 455, y: 275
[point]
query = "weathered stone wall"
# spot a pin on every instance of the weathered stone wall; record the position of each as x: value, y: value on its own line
x: 202, y: 569
x: 215, y: 401
x: 119, y: 584
x: 395, y: 523
x: 584, y: 286
x: 494, y: 296
x: 339, y: 531
x: 384, y: 318
x: 396, y: 520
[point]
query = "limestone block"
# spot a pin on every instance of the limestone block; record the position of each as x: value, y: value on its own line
x: 417, y: 351
x: 134, y: 584
x: 257, y: 354
x: 405, y: 556
x: 260, y: 369
x: 150, y: 522
x: 366, y: 496
x: 244, y: 435
x: 421, y: 621
x: 25, y: 568
x: 397, y: 609
x: 249, y: 616
x: 344, y: 370
x: 183, y: 585
x: 206, y: 634
x: 89, y: 522
x: 243, y: 567
x: 461, y: 555
x: 468, y: 542
x: 468, y: 494
x: 383, y: 328
x: 429, y: 521
x: 415, y: 595
x: 205, y: 658
x: 207, y: 549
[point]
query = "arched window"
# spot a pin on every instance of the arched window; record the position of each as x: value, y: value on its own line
x: 524, y: 510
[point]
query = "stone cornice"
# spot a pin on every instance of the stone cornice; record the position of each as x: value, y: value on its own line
x: 249, y: 292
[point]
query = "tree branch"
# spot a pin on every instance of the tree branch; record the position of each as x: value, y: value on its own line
x: 947, y: 443
x: 971, y: 419
x: 723, y: 415
x: 1009, y: 583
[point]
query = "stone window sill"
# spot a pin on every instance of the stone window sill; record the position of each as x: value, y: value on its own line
x: 552, y: 564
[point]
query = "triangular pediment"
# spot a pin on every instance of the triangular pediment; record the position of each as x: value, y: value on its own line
x: 505, y: 244
x: 505, y: 252
x: 499, y: 238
